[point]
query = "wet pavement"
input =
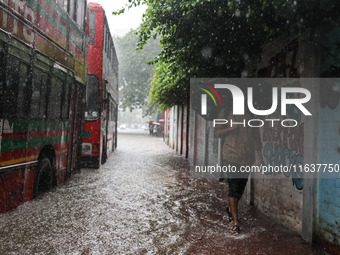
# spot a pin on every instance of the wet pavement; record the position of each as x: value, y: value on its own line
x: 142, y: 201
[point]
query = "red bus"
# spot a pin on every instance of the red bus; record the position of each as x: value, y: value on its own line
x: 100, y: 128
x: 43, y: 67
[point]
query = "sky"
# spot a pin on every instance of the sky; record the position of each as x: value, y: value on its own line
x: 120, y: 25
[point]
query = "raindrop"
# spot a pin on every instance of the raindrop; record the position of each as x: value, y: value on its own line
x: 206, y: 52
x: 336, y: 88
x: 244, y: 74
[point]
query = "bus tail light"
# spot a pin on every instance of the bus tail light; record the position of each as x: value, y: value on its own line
x: 95, y: 148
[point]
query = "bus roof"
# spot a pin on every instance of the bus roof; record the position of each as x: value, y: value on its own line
x: 95, y: 7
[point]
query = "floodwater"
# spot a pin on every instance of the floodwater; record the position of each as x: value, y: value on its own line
x: 142, y: 201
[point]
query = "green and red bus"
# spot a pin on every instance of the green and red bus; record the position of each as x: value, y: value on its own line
x: 43, y: 68
x: 100, y: 128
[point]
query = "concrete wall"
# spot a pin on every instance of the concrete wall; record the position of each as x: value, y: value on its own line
x: 185, y: 131
x: 282, y: 198
x: 177, y: 124
x: 309, y: 205
x: 328, y: 224
x: 328, y: 227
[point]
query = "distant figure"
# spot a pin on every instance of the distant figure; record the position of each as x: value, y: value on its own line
x: 151, y: 128
x: 155, y: 130
x: 239, y: 149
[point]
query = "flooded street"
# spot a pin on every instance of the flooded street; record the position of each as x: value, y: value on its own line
x: 142, y: 201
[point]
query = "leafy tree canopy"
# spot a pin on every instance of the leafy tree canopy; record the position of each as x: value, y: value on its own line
x: 134, y: 71
x: 214, y: 38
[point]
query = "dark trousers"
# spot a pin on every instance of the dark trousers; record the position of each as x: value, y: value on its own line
x: 237, y: 181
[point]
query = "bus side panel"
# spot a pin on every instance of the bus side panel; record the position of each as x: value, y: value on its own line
x: 28, y: 184
x: 61, y: 162
x: 93, y: 136
x: 12, y: 187
x: 112, y: 124
x: 44, y: 48
x: 15, y: 188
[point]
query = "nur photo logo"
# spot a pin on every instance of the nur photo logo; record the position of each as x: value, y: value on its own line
x: 204, y: 97
x: 280, y: 101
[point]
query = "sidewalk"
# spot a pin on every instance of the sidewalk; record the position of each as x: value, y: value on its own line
x: 260, y: 234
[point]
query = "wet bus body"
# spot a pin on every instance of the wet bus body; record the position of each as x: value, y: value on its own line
x: 43, y: 68
x: 100, y: 128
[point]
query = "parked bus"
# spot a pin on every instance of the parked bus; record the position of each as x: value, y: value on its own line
x: 43, y: 67
x: 100, y: 128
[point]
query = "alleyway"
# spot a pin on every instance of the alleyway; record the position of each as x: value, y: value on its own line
x: 142, y: 201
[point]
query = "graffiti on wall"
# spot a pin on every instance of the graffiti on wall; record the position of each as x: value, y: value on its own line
x: 281, y: 145
x: 284, y: 146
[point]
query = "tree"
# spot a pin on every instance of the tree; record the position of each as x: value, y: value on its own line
x: 215, y: 38
x: 134, y: 71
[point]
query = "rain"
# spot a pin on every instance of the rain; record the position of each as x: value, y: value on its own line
x: 144, y: 200
x: 108, y: 111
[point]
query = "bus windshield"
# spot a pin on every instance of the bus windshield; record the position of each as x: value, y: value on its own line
x: 92, y: 98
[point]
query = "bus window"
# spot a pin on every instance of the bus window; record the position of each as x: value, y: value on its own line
x: 105, y: 38
x: 92, y: 27
x: 39, y: 93
x: 72, y: 10
x: 54, y: 101
x: 15, y: 91
x: 112, y: 109
x: 80, y: 12
x: 66, y: 99
x: 2, y: 77
x: 22, y: 91
x: 10, y: 88
x: 92, y: 98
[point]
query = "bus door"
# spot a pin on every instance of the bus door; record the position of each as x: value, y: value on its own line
x: 105, y: 119
x: 76, y: 116
x: 79, y: 126
x: 71, y: 140
x: 111, y: 125
x: 2, y: 80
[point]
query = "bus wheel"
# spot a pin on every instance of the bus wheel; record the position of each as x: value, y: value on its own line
x: 43, y: 178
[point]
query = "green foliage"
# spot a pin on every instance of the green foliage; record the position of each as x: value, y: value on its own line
x: 167, y: 88
x: 134, y: 72
x: 215, y: 38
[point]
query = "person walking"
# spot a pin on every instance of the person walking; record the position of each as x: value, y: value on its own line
x: 240, y: 145
x: 151, y: 128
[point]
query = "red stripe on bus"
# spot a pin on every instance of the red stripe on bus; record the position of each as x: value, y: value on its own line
x: 30, y: 134
x: 31, y: 154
